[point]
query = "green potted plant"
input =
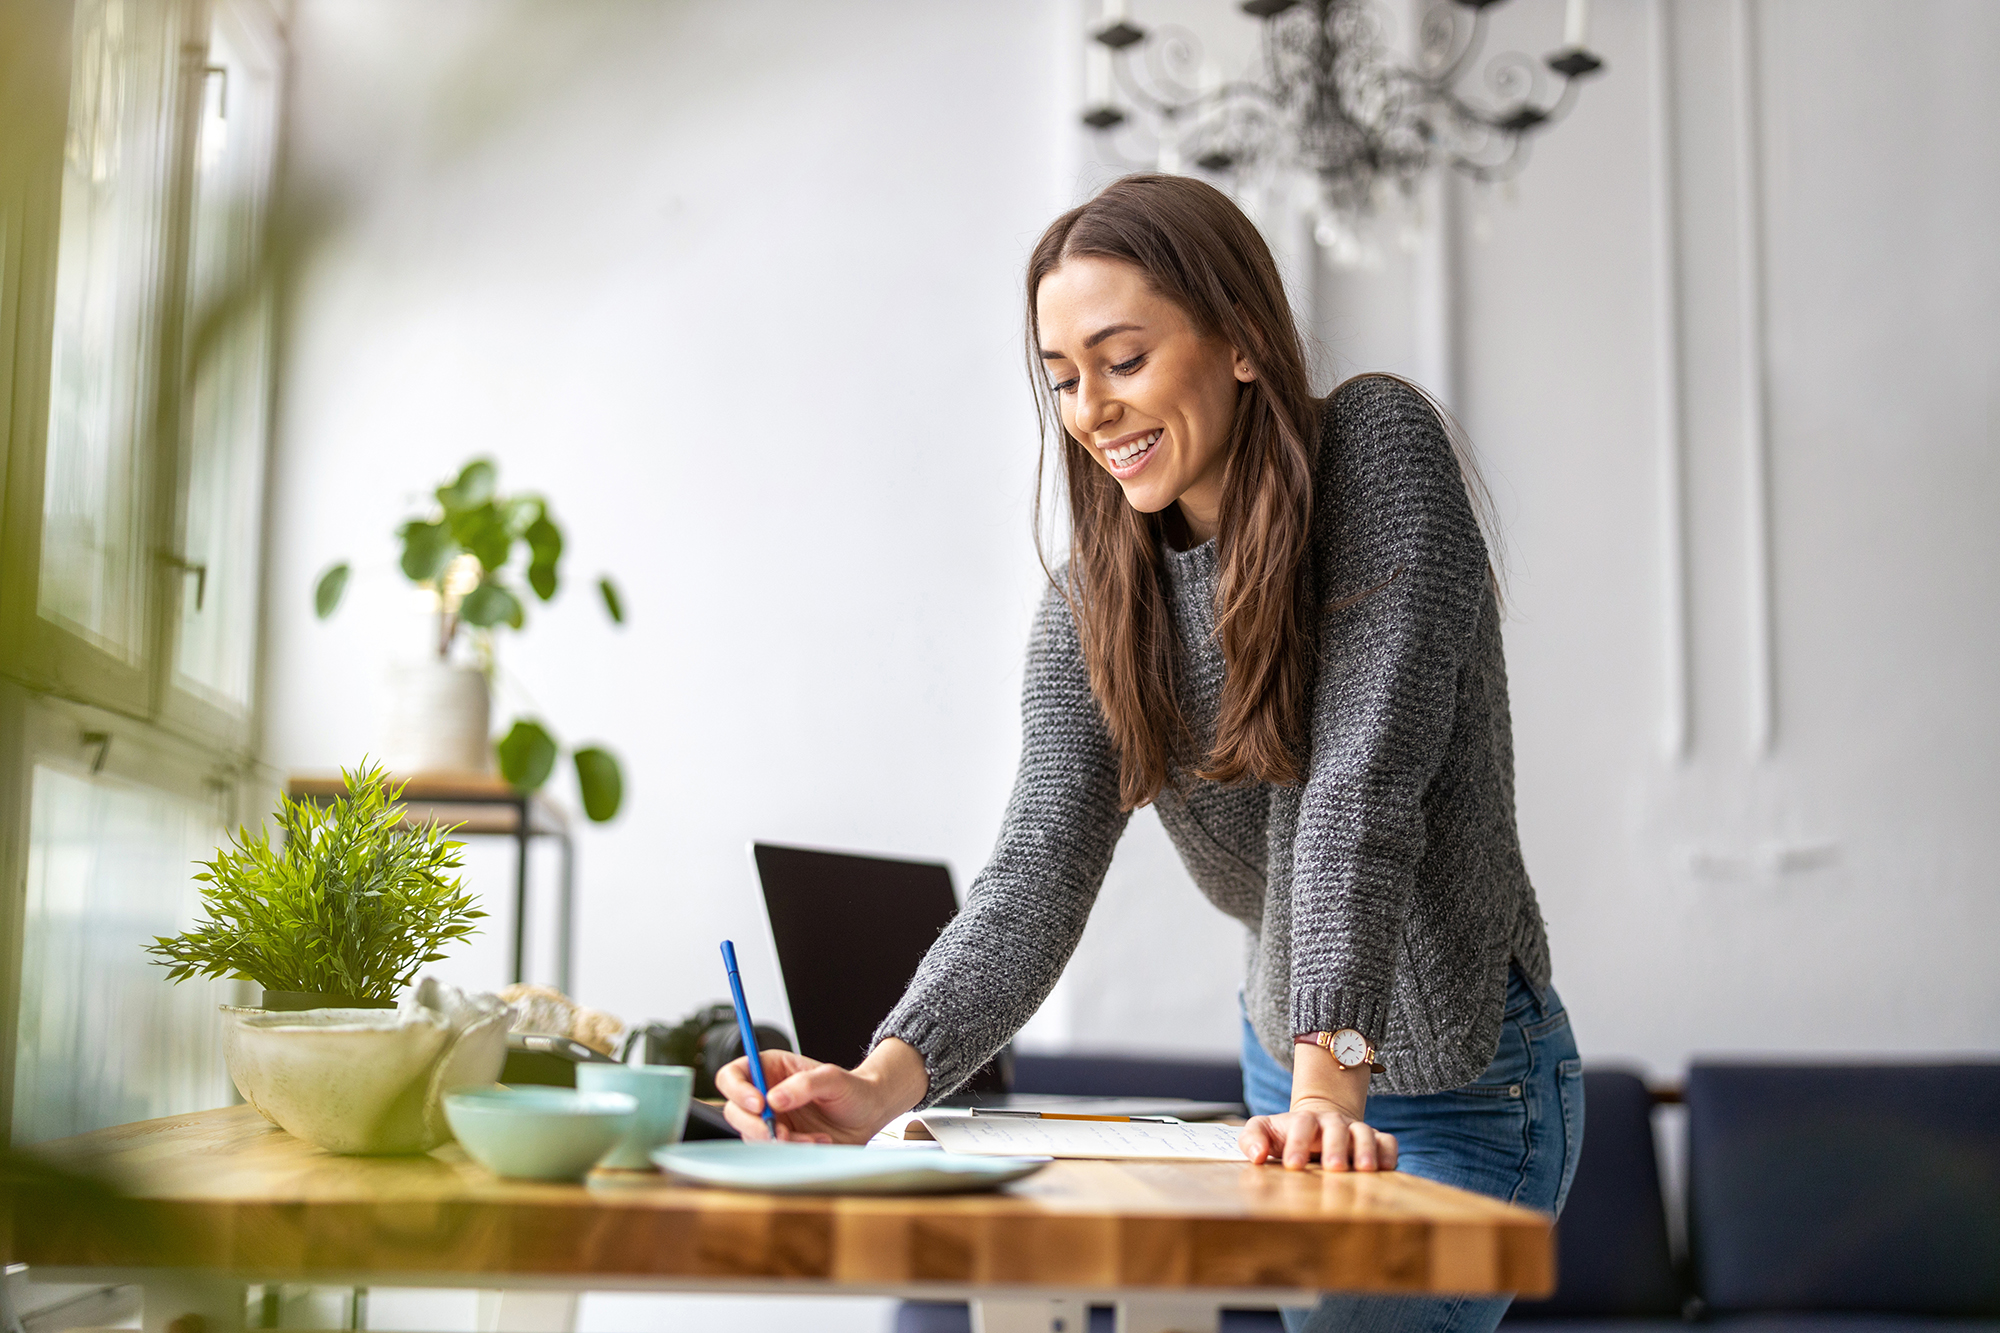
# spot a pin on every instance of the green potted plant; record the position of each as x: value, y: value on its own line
x: 338, y: 914
x: 479, y: 554
x: 333, y: 921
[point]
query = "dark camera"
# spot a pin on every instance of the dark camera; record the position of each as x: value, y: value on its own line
x: 705, y: 1041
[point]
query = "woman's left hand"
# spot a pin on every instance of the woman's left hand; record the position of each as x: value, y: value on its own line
x: 1318, y: 1126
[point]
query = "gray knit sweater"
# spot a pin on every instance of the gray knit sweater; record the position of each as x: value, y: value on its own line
x: 1387, y: 892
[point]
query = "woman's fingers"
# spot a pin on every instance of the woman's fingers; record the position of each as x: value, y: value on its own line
x: 807, y: 1086
x: 749, y: 1124
x: 1332, y: 1135
x: 1362, y: 1147
x: 1296, y: 1137
x: 1259, y: 1140
x: 733, y: 1082
x: 1301, y: 1132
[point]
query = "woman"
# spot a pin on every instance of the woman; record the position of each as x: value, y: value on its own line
x: 1277, y: 623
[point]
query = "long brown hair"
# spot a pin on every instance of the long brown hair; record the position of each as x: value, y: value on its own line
x: 1198, y: 250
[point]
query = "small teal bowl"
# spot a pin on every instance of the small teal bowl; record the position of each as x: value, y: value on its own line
x: 539, y: 1133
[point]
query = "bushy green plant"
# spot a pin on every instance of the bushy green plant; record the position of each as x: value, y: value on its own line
x: 464, y: 550
x: 345, y: 903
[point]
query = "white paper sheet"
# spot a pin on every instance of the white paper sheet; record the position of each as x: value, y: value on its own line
x: 894, y: 1135
x: 1122, y: 1140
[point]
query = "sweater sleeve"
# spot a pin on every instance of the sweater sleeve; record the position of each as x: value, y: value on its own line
x: 992, y: 967
x: 1402, y: 583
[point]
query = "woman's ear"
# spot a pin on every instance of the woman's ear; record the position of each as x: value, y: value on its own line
x: 1239, y: 364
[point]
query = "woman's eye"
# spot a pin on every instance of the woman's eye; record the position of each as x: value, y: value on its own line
x: 1122, y: 368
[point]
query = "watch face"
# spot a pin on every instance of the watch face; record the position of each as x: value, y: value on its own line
x: 1350, y: 1047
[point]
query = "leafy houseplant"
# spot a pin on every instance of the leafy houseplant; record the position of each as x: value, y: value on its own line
x: 344, y: 910
x: 464, y: 551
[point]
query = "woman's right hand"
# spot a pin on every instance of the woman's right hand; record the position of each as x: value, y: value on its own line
x: 816, y: 1102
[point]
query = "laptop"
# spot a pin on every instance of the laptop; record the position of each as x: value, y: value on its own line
x: 850, y: 931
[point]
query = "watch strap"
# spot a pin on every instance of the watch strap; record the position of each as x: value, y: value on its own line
x: 1370, y: 1059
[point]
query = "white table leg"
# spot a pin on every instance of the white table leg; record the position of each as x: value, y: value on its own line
x: 1153, y: 1314
x: 190, y: 1303
x: 525, y: 1312
x: 1033, y: 1314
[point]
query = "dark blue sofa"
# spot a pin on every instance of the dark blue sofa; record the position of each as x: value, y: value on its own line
x: 1845, y: 1197
x: 1821, y: 1200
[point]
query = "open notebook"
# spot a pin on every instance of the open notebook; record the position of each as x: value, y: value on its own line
x: 1127, y: 1140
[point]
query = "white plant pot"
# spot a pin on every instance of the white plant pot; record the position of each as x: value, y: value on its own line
x: 368, y: 1080
x: 440, y: 720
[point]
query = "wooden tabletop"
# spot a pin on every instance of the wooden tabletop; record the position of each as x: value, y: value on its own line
x: 223, y: 1190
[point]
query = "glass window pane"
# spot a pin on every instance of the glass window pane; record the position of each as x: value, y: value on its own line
x: 101, y: 377
x: 104, y: 1037
x: 229, y: 367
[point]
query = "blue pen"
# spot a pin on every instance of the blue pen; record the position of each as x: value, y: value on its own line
x: 749, y: 1035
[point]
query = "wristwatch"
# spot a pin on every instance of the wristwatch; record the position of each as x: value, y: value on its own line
x: 1350, y: 1050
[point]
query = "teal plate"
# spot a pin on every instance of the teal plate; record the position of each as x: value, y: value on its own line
x: 839, y: 1168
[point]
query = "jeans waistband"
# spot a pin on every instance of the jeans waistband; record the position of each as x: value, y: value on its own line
x: 1525, y: 998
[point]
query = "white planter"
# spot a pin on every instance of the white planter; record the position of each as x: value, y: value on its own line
x: 440, y: 720
x: 368, y: 1080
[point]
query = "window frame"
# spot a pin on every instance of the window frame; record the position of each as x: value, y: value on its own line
x: 55, y: 685
x: 181, y: 709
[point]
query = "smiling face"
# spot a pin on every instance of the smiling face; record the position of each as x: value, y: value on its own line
x: 1146, y: 392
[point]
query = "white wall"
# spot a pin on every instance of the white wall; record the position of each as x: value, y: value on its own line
x: 736, y: 285
x: 1830, y: 888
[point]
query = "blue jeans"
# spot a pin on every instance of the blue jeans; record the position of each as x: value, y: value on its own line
x: 1512, y: 1133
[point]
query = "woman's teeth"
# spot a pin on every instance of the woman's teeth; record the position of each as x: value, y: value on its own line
x: 1125, y: 453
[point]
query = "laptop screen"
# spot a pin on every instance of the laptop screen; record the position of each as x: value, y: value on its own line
x: 850, y: 931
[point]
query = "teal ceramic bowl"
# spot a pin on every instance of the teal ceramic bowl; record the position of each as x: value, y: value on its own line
x: 539, y: 1133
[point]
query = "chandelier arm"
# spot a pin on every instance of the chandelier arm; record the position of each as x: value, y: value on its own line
x: 1120, y: 139
x: 1504, y: 119
x: 1246, y: 90
x: 1272, y: 72
x: 1519, y: 112
x: 1475, y: 40
x: 1505, y: 169
x: 1469, y: 160
x: 1142, y: 97
x: 1559, y: 109
x: 1157, y: 48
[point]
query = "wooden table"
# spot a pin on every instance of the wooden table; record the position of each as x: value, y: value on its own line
x: 219, y: 1199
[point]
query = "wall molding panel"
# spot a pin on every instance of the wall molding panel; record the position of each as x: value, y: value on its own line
x: 1677, y: 706
x: 1761, y: 633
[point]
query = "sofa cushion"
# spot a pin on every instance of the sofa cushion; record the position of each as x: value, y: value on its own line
x: 1129, y: 1076
x: 1837, y: 1322
x: 1565, y: 1324
x: 956, y: 1317
x: 1828, y: 1188
x: 1612, y: 1255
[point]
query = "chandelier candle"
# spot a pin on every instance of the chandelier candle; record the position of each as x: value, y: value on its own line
x: 1576, y: 25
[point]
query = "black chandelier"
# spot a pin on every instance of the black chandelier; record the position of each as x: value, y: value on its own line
x: 1331, y: 104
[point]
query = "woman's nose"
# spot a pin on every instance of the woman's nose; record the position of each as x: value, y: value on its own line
x: 1094, y: 407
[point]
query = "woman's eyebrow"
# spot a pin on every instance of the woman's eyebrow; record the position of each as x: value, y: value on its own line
x: 1094, y: 339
